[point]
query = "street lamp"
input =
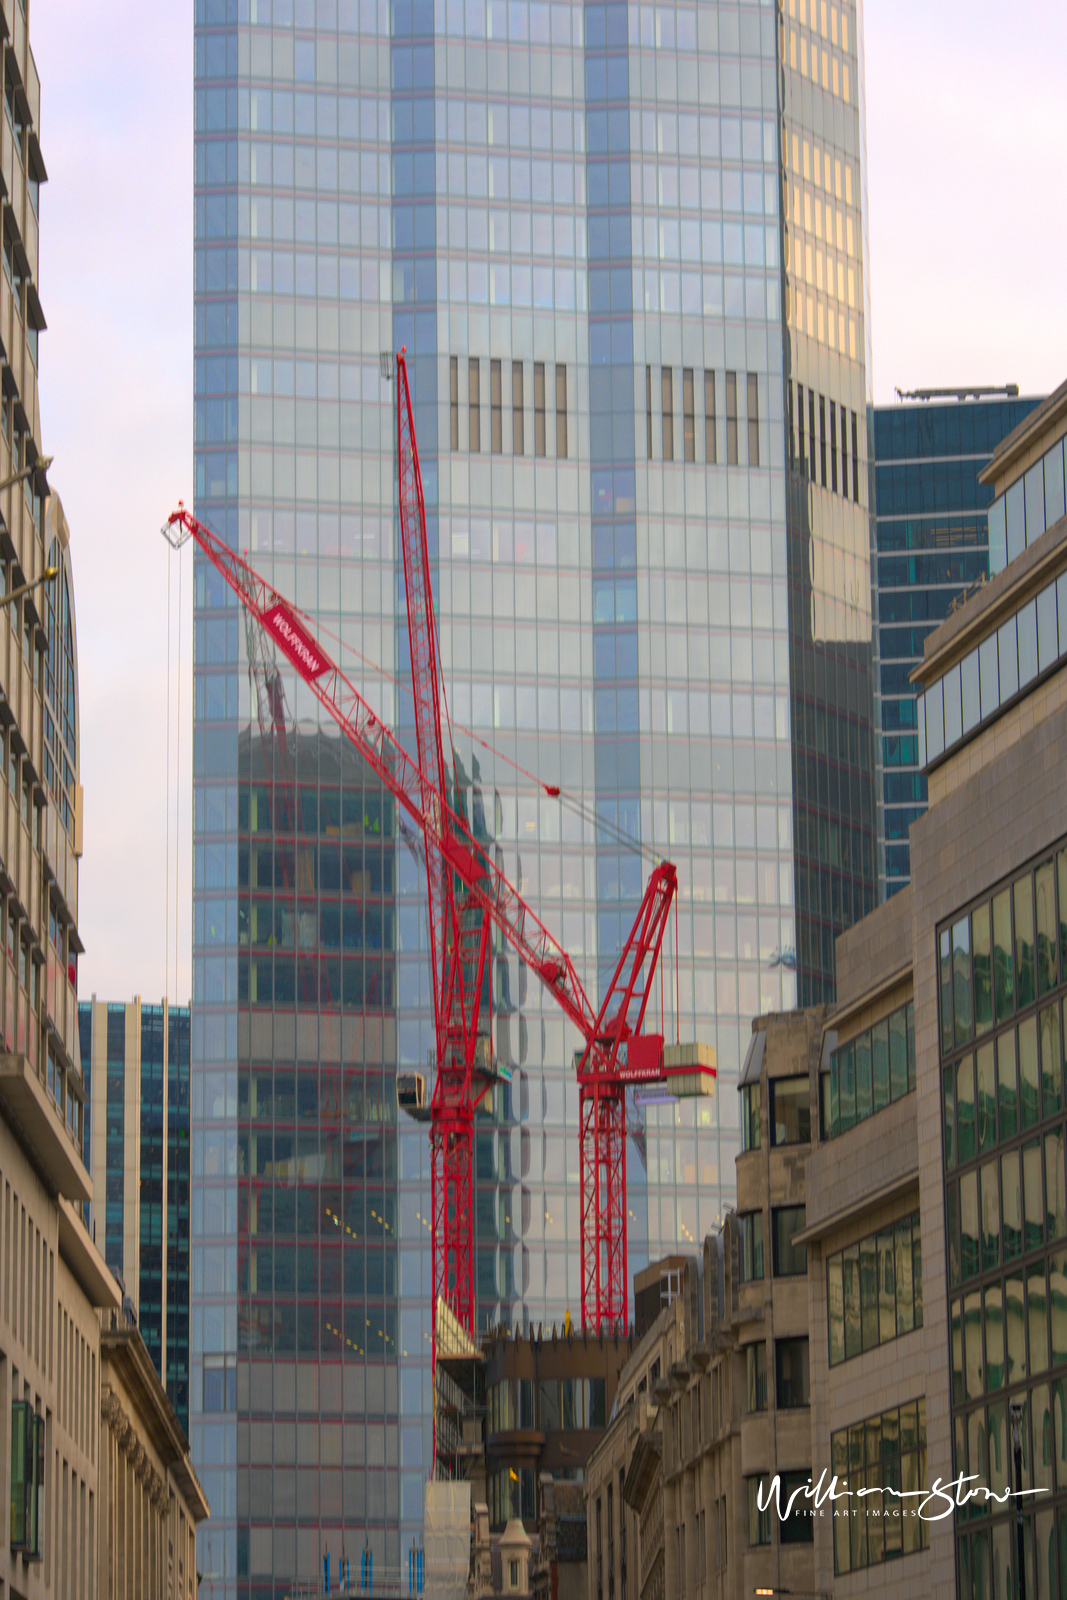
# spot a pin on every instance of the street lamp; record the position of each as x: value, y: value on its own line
x: 24, y: 588
x: 40, y: 464
x: 1017, y: 1453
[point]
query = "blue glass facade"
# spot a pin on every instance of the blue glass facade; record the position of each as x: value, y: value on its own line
x: 932, y: 546
x: 573, y: 218
x: 135, y: 1060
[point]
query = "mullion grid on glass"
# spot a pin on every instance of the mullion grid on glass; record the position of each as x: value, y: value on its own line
x: 874, y: 1290
x: 1001, y: 989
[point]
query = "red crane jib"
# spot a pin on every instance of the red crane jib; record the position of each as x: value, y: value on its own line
x: 603, y: 1074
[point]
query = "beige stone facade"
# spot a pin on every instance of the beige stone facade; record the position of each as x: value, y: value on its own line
x: 977, y: 947
x: 51, y: 1277
x: 150, y: 1499
x: 625, y: 1530
x: 715, y: 1400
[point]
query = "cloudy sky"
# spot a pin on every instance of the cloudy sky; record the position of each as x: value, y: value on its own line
x: 966, y: 130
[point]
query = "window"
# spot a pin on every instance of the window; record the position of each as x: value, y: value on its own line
x: 561, y: 412
x: 667, y: 383
x: 844, y: 454
x: 220, y: 1383
x: 799, y: 1526
x: 648, y: 411
x: 833, y: 446
x: 539, y: 408
x: 513, y: 1574
x: 709, y: 416
x: 518, y: 437
x: 453, y: 393
x: 789, y: 1260
x: 689, y: 428
x: 790, y: 1111
x: 731, y: 419
x: 759, y: 1522
x: 887, y: 1451
x: 474, y: 407
x: 822, y: 440
x: 800, y: 430
x: 811, y: 433
x: 751, y: 1224
x: 599, y: 1553
x: 872, y: 1070
x: 855, y: 460
x: 874, y: 1288
x: 753, y: 420
x: 750, y: 1114
x: 756, y: 1377
x: 496, y: 409
x: 791, y: 1374
x: 792, y: 436
x: 622, y: 1536
x: 27, y: 1479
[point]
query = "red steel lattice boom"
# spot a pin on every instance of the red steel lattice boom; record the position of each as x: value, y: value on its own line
x: 468, y: 893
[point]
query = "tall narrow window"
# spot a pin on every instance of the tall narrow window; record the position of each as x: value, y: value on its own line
x: 561, y: 411
x: 753, y: 420
x: 689, y: 424
x: 453, y: 400
x: 844, y: 452
x: 474, y: 397
x: 731, y: 419
x: 648, y: 410
x: 518, y: 436
x: 539, y: 408
x: 496, y: 409
x: 667, y: 381
x: 709, y: 416
x: 800, y: 429
x: 822, y: 440
x: 855, y: 460
x: 792, y: 438
x: 811, y: 433
x: 833, y: 447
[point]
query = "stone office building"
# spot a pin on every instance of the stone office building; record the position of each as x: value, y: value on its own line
x: 937, y: 1209
x: 716, y: 1398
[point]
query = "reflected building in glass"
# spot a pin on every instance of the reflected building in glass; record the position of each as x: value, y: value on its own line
x: 624, y: 248
x: 932, y: 547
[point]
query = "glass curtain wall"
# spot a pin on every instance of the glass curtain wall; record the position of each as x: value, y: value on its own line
x: 571, y: 216
x: 828, y: 401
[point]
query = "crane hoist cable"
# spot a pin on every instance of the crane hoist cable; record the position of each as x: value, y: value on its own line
x: 568, y: 800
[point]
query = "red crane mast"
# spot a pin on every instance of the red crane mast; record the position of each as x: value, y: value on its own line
x: 467, y: 893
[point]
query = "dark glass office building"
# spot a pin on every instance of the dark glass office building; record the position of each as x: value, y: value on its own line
x: 625, y: 249
x: 932, y: 546
x: 135, y: 1059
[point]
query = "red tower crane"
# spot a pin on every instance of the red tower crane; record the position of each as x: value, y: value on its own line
x: 467, y: 893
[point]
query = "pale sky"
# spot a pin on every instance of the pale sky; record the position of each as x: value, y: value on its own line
x: 966, y: 134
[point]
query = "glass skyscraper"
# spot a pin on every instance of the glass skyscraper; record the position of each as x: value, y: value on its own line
x: 624, y: 248
x: 135, y: 1061
x: 932, y: 546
